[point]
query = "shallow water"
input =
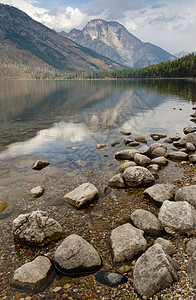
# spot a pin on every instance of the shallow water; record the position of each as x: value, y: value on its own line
x: 62, y: 122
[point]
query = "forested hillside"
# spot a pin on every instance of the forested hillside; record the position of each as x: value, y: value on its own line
x: 178, y: 68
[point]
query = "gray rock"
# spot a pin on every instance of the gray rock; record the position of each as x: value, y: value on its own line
x: 33, y: 276
x: 36, y: 228
x: 175, y: 138
x: 125, y: 132
x: 187, y: 193
x: 144, y: 150
x: 166, y: 245
x: 141, y: 160
x: 75, y: 255
x: 178, y: 217
x: 125, y: 165
x: 180, y: 143
x: 190, y: 146
x: 126, y: 242
x: 147, y: 222
x: 190, y: 137
x: 177, y: 155
x: 116, y: 182
x: 156, y: 145
x: 189, y: 129
x: 160, y: 192
x: 153, y: 168
x: 191, y: 267
x: 191, y: 246
x: 159, y: 151
x: 192, y: 158
x: 137, y: 176
x: 126, y: 154
x: 82, y: 195
x: 141, y: 139
x: 37, y: 191
x: 153, y: 271
x: 161, y: 161
x: 133, y: 144
x: 168, y: 140
x: 155, y: 137
x: 127, y: 141
x: 110, y: 278
x: 39, y: 165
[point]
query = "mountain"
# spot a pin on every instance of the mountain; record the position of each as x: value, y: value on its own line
x: 181, y: 54
x: 27, y: 43
x: 115, y: 42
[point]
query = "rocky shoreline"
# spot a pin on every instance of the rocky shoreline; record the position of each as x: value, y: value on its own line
x: 130, y: 240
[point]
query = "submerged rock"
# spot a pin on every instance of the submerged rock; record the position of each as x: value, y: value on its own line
x: 126, y: 154
x: 6, y: 208
x: 138, y: 176
x: 34, y: 275
x: 141, y: 139
x: 126, y: 242
x: 178, y: 217
x: 76, y: 256
x: 116, y: 182
x: 177, y: 155
x: 36, y: 228
x: 189, y: 129
x: 82, y: 195
x: 37, y: 191
x: 161, y: 161
x: 110, y: 279
x: 39, y: 165
x: 153, y: 271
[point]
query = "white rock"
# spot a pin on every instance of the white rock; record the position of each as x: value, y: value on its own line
x: 136, y: 176
x: 126, y: 154
x: 37, y: 191
x: 82, y: 195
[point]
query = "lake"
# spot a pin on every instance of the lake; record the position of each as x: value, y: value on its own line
x: 62, y: 122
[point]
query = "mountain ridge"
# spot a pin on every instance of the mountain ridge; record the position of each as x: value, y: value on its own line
x: 114, y: 41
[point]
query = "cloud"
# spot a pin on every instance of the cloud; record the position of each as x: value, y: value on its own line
x: 159, y: 5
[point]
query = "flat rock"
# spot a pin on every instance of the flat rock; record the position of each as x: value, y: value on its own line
x: 76, y: 256
x: 33, y: 276
x: 125, y: 165
x: 177, y: 155
x: 160, y: 192
x: 161, y: 161
x: 127, y: 141
x: 141, y: 139
x: 147, y: 222
x: 37, y: 191
x: 110, y: 279
x: 126, y: 154
x: 39, y: 165
x: 138, y: 176
x: 142, y: 160
x: 166, y: 245
x: 189, y: 129
x: 160, y: 135
x: 126, y: 242
x: 36, y: 228
x: 175, y: 138
x: 153, y: 271
x: 191, y: 267
x: 156, y: 145
x: 116, y: 182
x: 191, y: 246
x: 82, y: 195
x: 178, y: 217
x: 100, y: 146
x: 133, y: 144
x: 187, y: 193
x: 125, y: 132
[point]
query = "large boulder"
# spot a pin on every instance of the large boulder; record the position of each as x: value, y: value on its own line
x: 187, y: 193
x: 126, y: 242
x: 36, y: 228
x: 191, y: 246
x: 147, y: 221
x: 153, y: 271
x: 116, y: 182
x: 191, y: 267
x: 158, y: 193
x: 178, y: 217
x: 138, y: 176
x: 126, y: 154
x: 33, y: 276
x: 76, y: 256
x: 82, y: 195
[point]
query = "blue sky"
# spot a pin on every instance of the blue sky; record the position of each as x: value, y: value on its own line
x: 170, y: 24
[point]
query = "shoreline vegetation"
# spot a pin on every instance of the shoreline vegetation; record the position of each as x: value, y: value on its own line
x: 184, y: 67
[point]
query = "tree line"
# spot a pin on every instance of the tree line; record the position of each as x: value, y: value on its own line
x: 179, y: 68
